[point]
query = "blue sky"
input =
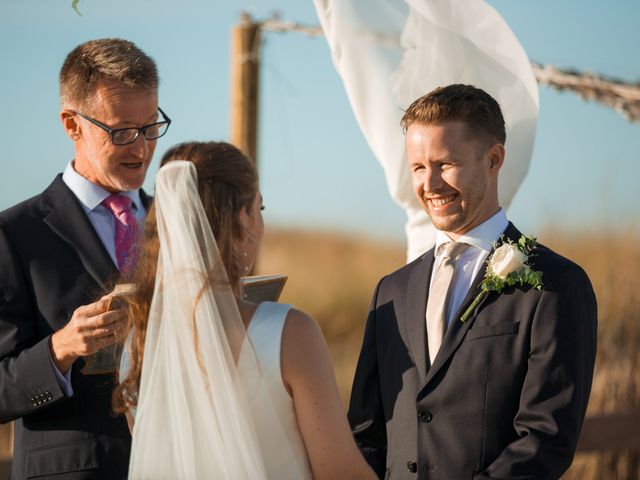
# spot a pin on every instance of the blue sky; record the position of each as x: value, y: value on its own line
x: 316, y: 169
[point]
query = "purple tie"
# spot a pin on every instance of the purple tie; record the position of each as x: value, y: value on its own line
x: 126, y: 227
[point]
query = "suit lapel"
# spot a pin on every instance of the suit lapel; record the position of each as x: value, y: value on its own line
x: 457, y: 330
x: 68, y: 220
x: 417, y: 291
x: 145, y: 199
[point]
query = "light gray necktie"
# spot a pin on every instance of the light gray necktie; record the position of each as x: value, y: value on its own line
x: 439, y: 297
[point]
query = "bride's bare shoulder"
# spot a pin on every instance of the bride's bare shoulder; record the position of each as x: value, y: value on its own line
x: 304, y: 348
x: 301, y: 327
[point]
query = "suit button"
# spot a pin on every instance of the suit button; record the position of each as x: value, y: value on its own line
x: 425, y: 416
x: 412, y: 467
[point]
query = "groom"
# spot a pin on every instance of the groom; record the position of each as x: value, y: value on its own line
x: 503, y: 394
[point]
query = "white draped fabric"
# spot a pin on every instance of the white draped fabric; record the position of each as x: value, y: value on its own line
x: 390, y: 52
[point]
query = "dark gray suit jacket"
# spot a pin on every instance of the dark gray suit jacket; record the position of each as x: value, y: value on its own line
x: 507, y: 392
x: 51, y: 262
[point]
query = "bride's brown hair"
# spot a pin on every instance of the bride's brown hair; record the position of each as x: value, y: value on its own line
x: 227, y: 182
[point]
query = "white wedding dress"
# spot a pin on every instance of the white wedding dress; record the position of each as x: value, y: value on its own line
x: 279, y: 438
x: 274, y: 432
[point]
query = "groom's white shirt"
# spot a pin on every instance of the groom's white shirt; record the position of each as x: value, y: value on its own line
x: 480, y: 241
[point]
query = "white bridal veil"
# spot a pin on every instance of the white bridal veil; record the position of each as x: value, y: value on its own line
x: 391, y: 52
x: 193, y: 419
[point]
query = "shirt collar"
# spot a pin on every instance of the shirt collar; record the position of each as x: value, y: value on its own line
x: 90, y: 194
x: 481, y: 237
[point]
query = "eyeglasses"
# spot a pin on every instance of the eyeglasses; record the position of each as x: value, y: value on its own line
x: 126, y: 136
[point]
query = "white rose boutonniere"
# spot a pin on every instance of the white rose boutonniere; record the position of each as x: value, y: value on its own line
x: 507, y: 267
x: 506, y: 259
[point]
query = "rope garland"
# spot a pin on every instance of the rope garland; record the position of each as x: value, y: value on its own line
x: 621, y: 96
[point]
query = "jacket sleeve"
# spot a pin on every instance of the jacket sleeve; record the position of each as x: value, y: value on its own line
x: 366, y: 415
x: 556, y: 388
x: 27, y: 379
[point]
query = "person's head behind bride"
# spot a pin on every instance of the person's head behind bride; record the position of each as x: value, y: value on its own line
x: 305, y: 430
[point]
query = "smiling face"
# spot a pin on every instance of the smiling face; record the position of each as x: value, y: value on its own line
x: 454, y: 176
x: 114, y: 168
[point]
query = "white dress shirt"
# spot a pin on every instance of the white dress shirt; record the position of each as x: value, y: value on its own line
x: 91, y: 196
x: 471, y: 260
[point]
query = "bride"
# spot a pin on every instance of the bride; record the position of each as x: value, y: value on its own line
x: 221, y: 387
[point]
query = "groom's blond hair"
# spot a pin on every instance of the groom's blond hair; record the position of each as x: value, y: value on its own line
x: 462, y: 103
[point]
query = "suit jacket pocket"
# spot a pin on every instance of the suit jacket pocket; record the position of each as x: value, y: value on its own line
x: 493, y: 330
x: 62, y: 458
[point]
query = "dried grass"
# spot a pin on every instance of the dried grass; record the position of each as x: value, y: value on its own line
x: 331, y: 277
x: 612, y: 262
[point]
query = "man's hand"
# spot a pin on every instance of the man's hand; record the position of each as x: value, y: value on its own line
x: 91, y: 328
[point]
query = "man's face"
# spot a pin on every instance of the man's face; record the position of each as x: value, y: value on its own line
x: 115, y: 168
x: 454, y: 176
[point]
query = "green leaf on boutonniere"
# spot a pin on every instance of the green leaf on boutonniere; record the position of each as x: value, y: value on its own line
x: 508, y: 266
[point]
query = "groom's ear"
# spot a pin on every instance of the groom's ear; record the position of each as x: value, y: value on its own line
x: 496, y: 155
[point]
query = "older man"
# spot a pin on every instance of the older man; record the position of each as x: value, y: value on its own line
x: 456, y: 381
x: 60, y: 253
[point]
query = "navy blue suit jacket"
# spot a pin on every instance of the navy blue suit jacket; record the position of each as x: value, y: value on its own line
x: 51, y: 262
x: 506, y: 395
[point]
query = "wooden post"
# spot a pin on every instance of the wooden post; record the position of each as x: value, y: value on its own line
x: 245, y: 59
x: 245, y: 78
